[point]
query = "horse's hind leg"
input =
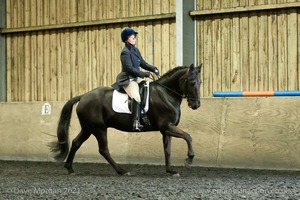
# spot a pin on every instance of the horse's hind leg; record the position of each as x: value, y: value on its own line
x: 77, y: 142
x: 104, y: 151
x: 167, y: 151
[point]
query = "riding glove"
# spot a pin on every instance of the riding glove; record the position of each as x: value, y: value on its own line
x: 156, y: 71
x: 146, y: 74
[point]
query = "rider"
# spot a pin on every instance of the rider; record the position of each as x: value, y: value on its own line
x: 131, y: 75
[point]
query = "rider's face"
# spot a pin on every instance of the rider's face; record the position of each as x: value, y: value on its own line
x: 132, y: 39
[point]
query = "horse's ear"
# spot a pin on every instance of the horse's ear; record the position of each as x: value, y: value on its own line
x: 200, y: 67
x: 192, y: 67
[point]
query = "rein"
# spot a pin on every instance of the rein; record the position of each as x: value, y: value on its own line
x: 152, y: 78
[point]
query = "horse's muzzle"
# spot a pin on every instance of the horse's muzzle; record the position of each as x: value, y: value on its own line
x: 194, y: 104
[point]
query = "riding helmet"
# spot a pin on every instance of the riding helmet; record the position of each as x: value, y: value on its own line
x: 126, y: 33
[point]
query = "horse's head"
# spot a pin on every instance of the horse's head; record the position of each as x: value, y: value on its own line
x: 192, y: 86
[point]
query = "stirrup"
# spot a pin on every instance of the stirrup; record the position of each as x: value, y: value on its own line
x: 137, y: 126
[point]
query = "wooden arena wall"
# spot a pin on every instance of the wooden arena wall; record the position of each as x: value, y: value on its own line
x: 58, y: 49
x: 248, y: 45
x: 257, y: 133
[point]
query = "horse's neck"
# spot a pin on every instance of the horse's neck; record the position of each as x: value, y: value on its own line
x: 171, y: 82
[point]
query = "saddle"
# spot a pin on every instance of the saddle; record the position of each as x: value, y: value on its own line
x: 121, y: 102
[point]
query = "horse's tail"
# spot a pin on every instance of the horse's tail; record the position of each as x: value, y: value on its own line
x: 61, y: 147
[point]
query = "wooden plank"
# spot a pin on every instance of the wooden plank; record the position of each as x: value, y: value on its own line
x: 131, y: 7
x: 172, y: 6
x: 40, y: 67
x: 93, y: 57
x: 14, y: 14
x: 21, y: 13
x: 298, y: 39
x: 225, y: 80
x: 80, y: 10
x: 81, y: 73
x: 89, y: 46
x: 282, y: 50
x: 165, y: 46
x: 272, y: 48
x: 292, y: 67
x: 53, y: 54
x: 110, y: 55
x: 226, y: 55
x: 73, y: 11
x: 116, y: 59
x: 172, y: 37
x: 155, y: 17
x: 73, y: 63
x: 263, y: 52
x: 9, y: 63
x: 235, y: 51
x: 14, y: 70
x: 158, y: 37
x: 207, y: 59
x: 66, y: 66
x: 165, y: 39
x: 8, y: 14
x: 103, y: 9
x: 40, y: 53
x: 46, y: 52
x: 27, y: 53
x: 216, y: 51
x: 253, y: 52
x: 20, y: 69
x: 33, y: 22
x: 148, y: 4
x: 149, y: 35
x: 244, y: 43
x: 94, y: 10
x: 59, y: 73
x: 200, y: 45
x: 105, y: 56
x: 250, y: 8
x: 33, y: 75
x: 172, y: 43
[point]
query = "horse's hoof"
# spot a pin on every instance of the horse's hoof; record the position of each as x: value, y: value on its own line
x: 127, y: 174
x: 71, y: 173
x: 187, y: 163
x: 124, y: 173
x: 176, y: 175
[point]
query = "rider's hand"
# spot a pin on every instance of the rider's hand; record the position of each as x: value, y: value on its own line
x: 156, y: 71
x: 146, y: 74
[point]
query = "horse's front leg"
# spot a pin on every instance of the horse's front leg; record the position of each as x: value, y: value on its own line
x: 176, y: 132
x: 167, y: 151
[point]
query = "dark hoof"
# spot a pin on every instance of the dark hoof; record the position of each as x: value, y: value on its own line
x: 173, y: 173
x: 123, y: 172
x: 176, y: 175
x: 188, y: 162
x: 71, y: 174
x: 70, y: 170
x: 126, y: 174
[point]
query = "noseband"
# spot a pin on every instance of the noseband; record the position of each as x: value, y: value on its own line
x: 186, y: 89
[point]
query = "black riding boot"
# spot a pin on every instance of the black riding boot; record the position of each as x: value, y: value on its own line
x: 136, y: 116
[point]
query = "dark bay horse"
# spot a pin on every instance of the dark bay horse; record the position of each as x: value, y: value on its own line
x: 95, y: 115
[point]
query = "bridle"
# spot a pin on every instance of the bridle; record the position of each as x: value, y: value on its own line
x: 152, y: 78
x: 184, y: 95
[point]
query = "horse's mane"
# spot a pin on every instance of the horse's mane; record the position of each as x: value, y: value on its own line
x: 171, y: 72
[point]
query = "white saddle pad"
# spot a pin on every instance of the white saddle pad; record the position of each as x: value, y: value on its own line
x: 120, y: 101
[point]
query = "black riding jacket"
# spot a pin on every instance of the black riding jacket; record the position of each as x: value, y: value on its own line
x: 131, y: 60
